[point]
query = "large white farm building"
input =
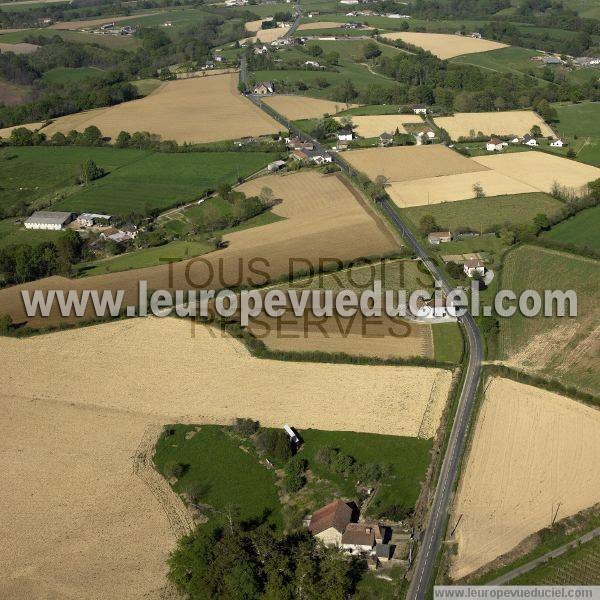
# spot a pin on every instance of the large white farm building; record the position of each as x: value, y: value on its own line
x: 43, y: 219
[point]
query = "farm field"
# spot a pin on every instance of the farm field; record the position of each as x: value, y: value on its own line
x: 319, y: 25
x: 12, y: 94
x: 18, y: 48
x: 204, y: 109
x: 266, y: 35
x: 511, y: 59
x: 580, y: 230
x: 482, y: 213
x: 135, y: 180
x: 405, y: 163
x: 322, y: 216
x: 581, y: 121
x: 93, y: 23
x: 125, y: 42
x: 449, y: 188
x: 66, y: 74
x: 77, y: 521
x: 445, y: 45
x: 541, y: 470
x: 374, y: 125
x: 511, y: 122
x: 147, y: 257
x: 541, y: 170
x: 147, y: 355
x: 580, y: 566
x: 562, y: 348
x: 301, y: 107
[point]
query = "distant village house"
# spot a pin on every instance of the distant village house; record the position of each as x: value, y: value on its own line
x: 437, y: 237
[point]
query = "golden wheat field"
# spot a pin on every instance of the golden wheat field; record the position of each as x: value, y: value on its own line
x: 510, y: 122
x: 266, y: 35
x: 323, y: 217
x: 540, y: 170
x: 449, y: 188
x: 204, y: 109
x: 300, y: 107
x: 359, y: 336
x: 445, y: 45
x: 374, y: 125
x: 405, y: 163
x: 84, y: 524
x: 532, y: 457
x: 253, y: 26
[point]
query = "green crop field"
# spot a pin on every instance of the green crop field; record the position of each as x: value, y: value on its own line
x: 483, y: 213
x: 504, y: 60
x: 224, y: 474
x: 67, y: 74
x: 561, y: 348
x: 135, y: 179
x: 578, y: 566
x: 580, y: 124
x: 146, y: 86
x: 353, y: 49
x: 580, y: 230
x: 25, y: 6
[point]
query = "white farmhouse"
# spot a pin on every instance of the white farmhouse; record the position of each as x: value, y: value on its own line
x: 494, y: 145
x: 43, y: 219
x: 474, y: 266
x: 345, y: 135
x: 435, y: 308
x: 529, y: 140
x: 557, y: 143
x: 90, y: 219
x: 420, y: 109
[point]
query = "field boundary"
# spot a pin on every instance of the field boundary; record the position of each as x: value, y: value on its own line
x: 180, y: 520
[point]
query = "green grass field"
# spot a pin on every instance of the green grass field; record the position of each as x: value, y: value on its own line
x: 482, y: 213
x: 135, y: 179
x: 447, y: 342
x: 147, y: 257
x: 581, y: 230
x: 561, y: 348
x: 12, y: 7
x: 407, y: 457
x: 353, y: 49
x: 225, y: 475
x: 12, y: 232
x: 146, y: 86
x: 578, y: 566
x: 68, y: 75
x: 580, y: 124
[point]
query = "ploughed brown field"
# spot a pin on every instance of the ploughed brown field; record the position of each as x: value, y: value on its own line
x: 202, y: 109
x: 534, y: 455
x: 77, y: 522
x: 325, y: 218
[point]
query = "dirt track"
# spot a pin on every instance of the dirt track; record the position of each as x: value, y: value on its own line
x: 534, y: 455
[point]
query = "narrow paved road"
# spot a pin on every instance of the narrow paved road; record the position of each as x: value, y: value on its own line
x: 436, y: 527
x: 507, y: 577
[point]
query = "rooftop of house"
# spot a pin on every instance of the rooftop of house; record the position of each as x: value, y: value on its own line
x: 362, y: 534
x: 49, y: 217
x: 474, y: 263
x: 336, y: 514
x: 496, y: 141
x: 439, y: 234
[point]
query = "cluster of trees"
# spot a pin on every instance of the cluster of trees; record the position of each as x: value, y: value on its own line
x: 241, y: 560
x: 20, y: 263
x: 347, y: 466
x: 236, y: 209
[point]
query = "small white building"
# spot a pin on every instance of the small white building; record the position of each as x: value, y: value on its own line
x: 474, y: 266
x: 529, y: 140
x: 263, y: 88
x: 426, y: 132
x: 435, y: 308
x: 494, y: 145
x: 261, y: 50
x: 420, y: 109
x: 90, y: 219
x: 43, y: 219
x: 276, y: 165
x: 438, y: 237
x: 345, y: 135
x: 557, y: 143
x: 312, y: 63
